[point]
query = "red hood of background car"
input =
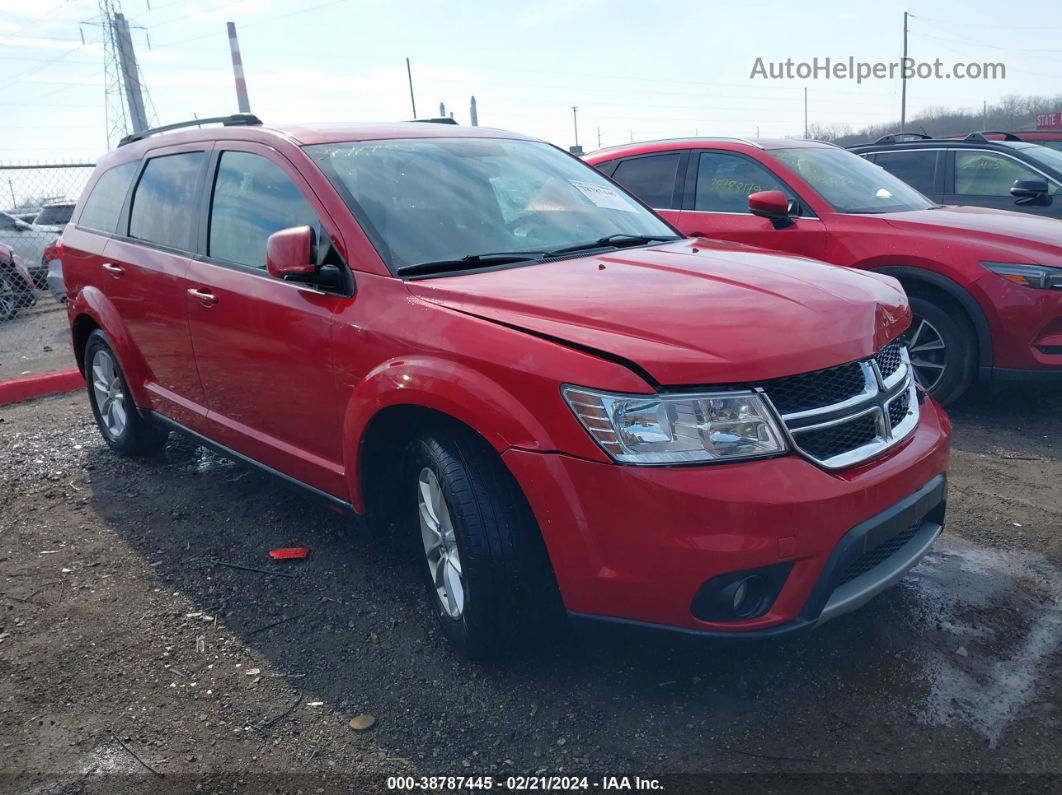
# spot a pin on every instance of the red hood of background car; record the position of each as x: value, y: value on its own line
x: 1020, y: 226
x: 690, y: 312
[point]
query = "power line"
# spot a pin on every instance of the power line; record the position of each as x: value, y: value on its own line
x: 61, y: 56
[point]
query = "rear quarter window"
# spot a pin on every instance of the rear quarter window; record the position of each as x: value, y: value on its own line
x: 104, y: 203
x: 165, y: 199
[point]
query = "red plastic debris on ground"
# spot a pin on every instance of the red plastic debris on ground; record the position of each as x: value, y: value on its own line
x: 289, y: 553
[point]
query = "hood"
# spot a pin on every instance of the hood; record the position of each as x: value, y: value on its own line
x: 1022, y: 227
x: 690, y: 312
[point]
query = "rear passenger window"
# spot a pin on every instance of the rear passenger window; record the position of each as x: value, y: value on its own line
x: 164, y: 202
x: 104, y: 204
x: 724, y: 182
x: 253, y: 198
x: 650, y: 178
x: 917, y: 169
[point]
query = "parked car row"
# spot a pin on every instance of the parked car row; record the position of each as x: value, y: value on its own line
x: 984, y: 284
x: 567, y: 402
x: 34, y: 243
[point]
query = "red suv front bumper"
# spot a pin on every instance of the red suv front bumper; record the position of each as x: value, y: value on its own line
x: 637, y: 543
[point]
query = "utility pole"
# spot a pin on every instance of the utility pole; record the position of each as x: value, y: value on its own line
x: 130, y: 74
x: 473, y: 113
x: 413, y: 102
x: 805, y: 113
x: 903, y: 78
x: 984, y: 115
x: 123, y: 88
x: 242, y: 102
x: 599, y: 136
x: 575, y: 123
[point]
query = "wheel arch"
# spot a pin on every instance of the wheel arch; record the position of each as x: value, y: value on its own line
x: 93, y: 310
x: 929, y: 284
x: 399, y: 395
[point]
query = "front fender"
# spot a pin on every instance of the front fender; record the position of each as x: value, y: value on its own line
x: 442, y: 385
x: 92, y: 303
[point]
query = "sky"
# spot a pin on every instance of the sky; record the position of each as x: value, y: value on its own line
x: 634, y: 70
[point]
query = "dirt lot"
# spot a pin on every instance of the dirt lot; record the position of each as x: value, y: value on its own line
x: 121, y: 635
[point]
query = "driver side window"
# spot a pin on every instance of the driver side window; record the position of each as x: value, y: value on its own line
x: 979, y: 173
x: 724, y: 182
x: 253, y: 198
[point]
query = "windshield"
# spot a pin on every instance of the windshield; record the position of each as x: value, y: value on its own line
x: 437, y: 199
x: 1047, y: 157
x: 850, y: 183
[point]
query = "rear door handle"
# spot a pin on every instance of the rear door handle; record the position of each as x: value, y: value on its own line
x: 205, y: 297
x: 113, y: 269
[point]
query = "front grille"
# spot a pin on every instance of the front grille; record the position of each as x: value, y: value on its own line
x: 878, y: 555
x: 808, y: 391
x: 899, y: 409
x: 889, y: 358
x: 833, y: 440
x: 847, y: 414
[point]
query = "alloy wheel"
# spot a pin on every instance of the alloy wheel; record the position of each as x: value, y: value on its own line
x: 440, y: 544
x: 8, y: 298
x: 929, y: 354
x: 109, y: 393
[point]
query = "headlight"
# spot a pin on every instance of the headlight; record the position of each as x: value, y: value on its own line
x: 1027, y: 275
x: 661, y: 429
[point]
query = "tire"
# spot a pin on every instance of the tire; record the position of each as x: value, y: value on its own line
x: 10, y: 299
x: 943, y: 349
x: 123, y: 427
x: 506, y: 582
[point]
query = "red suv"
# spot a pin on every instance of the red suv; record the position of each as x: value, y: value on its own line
x: 478, y: 342
x: 984, y: 284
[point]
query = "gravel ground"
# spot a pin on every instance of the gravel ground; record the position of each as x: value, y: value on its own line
x: 36, y: 341
x: 123, y: 639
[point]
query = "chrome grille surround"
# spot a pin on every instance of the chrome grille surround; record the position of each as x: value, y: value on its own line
x: 835, y: 435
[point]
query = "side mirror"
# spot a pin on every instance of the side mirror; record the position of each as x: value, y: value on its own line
x: 1030, y: 191
x: 772, y: 205
x: 289, y: 253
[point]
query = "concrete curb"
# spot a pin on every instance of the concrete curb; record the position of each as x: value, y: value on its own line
x: 32, y: 386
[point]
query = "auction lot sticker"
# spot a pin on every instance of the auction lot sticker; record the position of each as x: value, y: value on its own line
x: 603, y: 196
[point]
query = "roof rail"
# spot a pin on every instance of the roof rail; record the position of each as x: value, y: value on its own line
x: 235, y: 120
x: 437, y: 120
x: 894, y: 138
x: 980, y: 136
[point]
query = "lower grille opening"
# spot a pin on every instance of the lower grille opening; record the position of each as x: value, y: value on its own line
x: 878, y: 555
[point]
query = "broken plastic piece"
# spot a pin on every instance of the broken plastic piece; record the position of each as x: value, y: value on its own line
x: 289, y: 553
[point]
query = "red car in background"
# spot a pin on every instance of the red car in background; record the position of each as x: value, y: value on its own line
x: 985, y: 285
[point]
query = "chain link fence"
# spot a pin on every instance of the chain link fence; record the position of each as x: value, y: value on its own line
x: 37, y: 201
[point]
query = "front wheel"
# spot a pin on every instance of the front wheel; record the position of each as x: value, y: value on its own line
x: 9, y: 298
x: 481, y: 555
x: 121, y: 424
x: 943, y: 350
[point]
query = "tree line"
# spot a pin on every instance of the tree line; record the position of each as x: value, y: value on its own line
x: 1010, y: 113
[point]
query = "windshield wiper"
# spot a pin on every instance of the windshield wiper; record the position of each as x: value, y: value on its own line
x: 620, y: 240
x: 470, y: 261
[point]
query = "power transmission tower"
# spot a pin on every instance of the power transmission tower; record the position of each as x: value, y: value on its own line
x: 123, y: 83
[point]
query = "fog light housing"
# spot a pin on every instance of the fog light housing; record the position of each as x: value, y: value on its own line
x: 740, y: 595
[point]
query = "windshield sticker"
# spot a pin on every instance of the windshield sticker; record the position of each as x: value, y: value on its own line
x: 603, y: 196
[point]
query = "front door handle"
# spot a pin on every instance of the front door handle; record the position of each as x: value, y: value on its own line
x: 203, y: 296
x: 115, y: 270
